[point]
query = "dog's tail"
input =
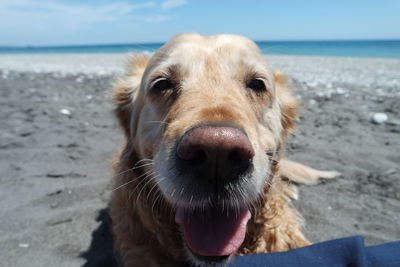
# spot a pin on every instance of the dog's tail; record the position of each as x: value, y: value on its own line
x: 302, y: 174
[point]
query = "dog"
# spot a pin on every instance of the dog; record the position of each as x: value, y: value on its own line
x: 201, y: 176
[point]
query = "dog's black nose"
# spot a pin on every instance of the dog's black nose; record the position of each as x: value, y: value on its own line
x: 215, y: 153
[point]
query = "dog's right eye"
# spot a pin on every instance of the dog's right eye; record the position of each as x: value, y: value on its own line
x: 256, y: 85
x: 162, y: 84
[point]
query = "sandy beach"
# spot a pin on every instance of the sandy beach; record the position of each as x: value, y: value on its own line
x: 58, y: 134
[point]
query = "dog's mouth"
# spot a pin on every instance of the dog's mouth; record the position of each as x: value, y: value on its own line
x: 214, y: 233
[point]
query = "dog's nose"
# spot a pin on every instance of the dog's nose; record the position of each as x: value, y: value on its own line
x: 219, y: 152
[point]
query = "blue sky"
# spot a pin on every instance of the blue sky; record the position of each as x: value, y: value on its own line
x: 61, y: 22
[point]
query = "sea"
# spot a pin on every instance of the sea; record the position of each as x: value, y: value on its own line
x: 365, y: 48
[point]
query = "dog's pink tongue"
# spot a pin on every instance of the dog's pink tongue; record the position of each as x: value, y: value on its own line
x: 214, y: 232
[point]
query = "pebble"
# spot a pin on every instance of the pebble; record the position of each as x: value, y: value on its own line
x: 312, y: 84
x: 65, y: 111
x: 23, y: 245
x: 379, y: 118
x: 325, y: 94
x: 379, y: 91
x: 340, y: 91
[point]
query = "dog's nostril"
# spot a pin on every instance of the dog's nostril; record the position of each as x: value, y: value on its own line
x: 191, y: 152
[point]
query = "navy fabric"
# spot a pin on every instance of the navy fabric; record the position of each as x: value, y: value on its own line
x: 349, y: 252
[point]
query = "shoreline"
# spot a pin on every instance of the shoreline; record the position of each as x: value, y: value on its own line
x: 66, y: 62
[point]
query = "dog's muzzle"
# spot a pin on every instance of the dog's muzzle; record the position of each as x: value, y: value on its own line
x: 214, y: 158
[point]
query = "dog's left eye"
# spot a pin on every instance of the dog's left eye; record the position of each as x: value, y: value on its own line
x: 256, y: 85
x: 162, y: 84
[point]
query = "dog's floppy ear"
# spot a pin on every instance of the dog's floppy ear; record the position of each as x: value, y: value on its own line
x: 126, y: 90
x: 289, y: 104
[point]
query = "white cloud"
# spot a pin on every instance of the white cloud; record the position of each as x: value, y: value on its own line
x: 60, y: 21
x: 168, y: 4
x: 80, y: 13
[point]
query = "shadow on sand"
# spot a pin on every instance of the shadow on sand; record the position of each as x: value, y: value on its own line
x: 100, y: 252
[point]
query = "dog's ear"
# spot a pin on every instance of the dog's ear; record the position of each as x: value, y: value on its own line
x: 289, y: 104
x: 126, y: 90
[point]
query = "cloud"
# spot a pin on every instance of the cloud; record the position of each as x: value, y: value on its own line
x: 60, y: 21
x: 80, y: 13
x: 169, y: 4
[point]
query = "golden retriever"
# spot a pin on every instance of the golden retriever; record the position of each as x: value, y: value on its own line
x: 201, y: 175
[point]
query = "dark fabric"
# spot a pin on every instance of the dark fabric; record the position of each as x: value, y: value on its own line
x: 349, y: 252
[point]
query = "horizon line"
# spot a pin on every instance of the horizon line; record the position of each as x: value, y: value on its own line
x: 163, y: 42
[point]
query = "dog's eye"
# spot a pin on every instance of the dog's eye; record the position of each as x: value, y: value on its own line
x: 256, y: 85
x: 162, y: 84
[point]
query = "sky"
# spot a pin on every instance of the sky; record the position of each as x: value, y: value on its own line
x: 74, y: 22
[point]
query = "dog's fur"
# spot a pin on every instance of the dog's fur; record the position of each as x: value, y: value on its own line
x: 211, y: 72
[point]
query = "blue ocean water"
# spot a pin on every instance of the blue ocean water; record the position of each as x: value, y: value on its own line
x: 377, y: 49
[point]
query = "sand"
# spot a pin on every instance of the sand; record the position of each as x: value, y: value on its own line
x: 58, y: 134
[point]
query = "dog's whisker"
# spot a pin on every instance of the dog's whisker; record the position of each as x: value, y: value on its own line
x: 131, y: 169
x: 210, y: 202
x: 139, y: 161
x: 153, y: 187
x: 144, y: 176
x: 237, y: 205
x: 144, y: 161
x: 147, y: 180
x: 134, y: 189
x: 156, y: 199
x: 144, y: 165
x: 173, y: 193
x: 131, y: 181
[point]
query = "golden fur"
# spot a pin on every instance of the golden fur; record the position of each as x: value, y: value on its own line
x: 143, y: 217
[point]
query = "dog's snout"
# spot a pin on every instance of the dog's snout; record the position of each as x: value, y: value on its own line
x: 217, y: 152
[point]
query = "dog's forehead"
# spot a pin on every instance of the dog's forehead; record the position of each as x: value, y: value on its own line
x: 222, y: 48
x: 192, y: 51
